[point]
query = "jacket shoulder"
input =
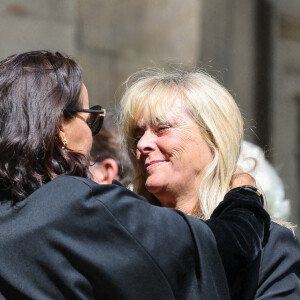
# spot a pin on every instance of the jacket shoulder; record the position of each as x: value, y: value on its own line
x: 280, y: 265
x: 277, y: 230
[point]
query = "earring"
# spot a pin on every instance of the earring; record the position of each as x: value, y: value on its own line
x: 65, y: 143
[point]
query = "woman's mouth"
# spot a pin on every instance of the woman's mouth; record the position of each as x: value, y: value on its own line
x: 153, y: 163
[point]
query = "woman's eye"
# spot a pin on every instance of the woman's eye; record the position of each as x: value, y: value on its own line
x: 163, y: 128
x: 137, y: 134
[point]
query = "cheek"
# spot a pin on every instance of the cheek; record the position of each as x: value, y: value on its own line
x: 204, y: 148
x: 202, y: 154
x: 89, y: 141
x: 173, y: 147
x: 180, y: 150
x: 188, y: 149
x: 82, y: 139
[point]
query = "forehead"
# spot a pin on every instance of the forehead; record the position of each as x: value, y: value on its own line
x: 172, y: 112
x: 161, y: 103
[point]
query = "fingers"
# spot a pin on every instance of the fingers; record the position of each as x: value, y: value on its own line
x: 241, y: 178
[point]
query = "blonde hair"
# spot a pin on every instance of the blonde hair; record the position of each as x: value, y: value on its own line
x: 208, y: 103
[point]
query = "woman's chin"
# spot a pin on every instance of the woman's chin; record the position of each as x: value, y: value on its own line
x: 154, y: 189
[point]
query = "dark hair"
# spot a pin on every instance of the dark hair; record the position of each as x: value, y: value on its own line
x: 35, y: 89
x: 107, y: 144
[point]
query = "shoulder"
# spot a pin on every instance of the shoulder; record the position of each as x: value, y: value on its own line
x: 65, y: 182
x: 59, y: 195
x: 66, y: 199
x: 281, y: 239
x: 72, y: 184
x: 282, y: 244
x: 277, y: 229
x: 75, y: 189
x: 279, y: 274
x: 282, y: 249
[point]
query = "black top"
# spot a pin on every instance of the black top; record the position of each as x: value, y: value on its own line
x: 75, y: 239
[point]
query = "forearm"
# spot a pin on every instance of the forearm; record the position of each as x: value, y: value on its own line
x: 241, y: 227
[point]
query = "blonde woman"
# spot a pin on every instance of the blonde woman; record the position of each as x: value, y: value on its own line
x: 183, y: 133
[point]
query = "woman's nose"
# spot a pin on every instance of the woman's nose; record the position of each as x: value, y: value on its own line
x: 146, y: 142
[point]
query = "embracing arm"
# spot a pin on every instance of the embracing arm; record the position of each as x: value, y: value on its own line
x: 240, y: 226
x: 180, y: 245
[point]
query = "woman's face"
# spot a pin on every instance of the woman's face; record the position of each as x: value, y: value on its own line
x: 172, y: 157
x: 76, y: 131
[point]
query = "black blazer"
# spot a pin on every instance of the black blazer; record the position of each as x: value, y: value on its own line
x: 75, y: 239
x: 275, y: 273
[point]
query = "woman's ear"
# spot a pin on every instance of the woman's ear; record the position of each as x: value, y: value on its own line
x: 61, y: 131
x: 61, y: 125
x: 104, y: 172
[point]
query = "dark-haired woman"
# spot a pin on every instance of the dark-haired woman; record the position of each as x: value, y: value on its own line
x: 63, y: 236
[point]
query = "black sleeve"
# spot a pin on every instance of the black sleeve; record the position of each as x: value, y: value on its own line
x: 241, y: 228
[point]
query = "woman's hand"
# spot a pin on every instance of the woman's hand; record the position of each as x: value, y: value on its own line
x: 241, y: 178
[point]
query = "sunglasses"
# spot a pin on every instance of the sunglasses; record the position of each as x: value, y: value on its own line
x: 95, y: 120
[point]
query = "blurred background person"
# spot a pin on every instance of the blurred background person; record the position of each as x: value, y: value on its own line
x: 109, y: 158
x: 252, y: 159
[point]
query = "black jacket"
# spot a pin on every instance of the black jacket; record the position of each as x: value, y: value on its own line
x: 75, y: 239
x: 275, y: 273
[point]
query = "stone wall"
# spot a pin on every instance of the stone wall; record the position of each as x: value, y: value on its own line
x: 228, y: 51
x: 38, y: 24
x: 285, y: 113
x: 120, y: 37
x: 110, y: 38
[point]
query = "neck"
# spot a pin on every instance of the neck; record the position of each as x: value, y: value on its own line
x: 184, y: 202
